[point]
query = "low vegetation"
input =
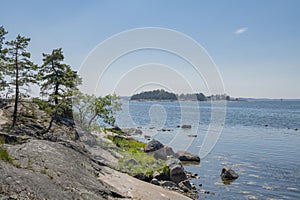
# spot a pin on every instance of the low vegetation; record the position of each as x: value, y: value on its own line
x: 135, y: 160
x: 5, y: 156
x: 3, y: 153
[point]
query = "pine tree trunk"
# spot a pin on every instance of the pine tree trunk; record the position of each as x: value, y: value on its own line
x: 15, y: 114
x: 56, y: 94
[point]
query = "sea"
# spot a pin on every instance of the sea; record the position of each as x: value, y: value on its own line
x: 258, y: 139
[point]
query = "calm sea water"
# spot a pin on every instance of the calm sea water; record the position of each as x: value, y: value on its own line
x: 260, y: 140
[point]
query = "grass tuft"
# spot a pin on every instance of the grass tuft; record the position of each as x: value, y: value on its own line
x: 5, y: 156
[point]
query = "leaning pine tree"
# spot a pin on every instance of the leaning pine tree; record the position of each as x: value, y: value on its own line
x: 58, y: 83
x: 20, y: 69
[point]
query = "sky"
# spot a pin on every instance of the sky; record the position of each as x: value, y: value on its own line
x: 254, y: 45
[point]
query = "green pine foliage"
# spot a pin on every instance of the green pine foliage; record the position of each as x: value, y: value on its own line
x: 58, y: 87
x: 57, y: 79
x: 59, y: 84
x: 20, y: 69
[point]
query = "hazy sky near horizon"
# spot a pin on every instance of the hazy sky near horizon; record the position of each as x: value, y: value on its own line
x: 255, y: 44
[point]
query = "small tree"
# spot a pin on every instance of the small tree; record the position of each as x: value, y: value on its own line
x: 56, y: 77
x: 20, y: 69
x: 89, y: 109
x: 58, y: 82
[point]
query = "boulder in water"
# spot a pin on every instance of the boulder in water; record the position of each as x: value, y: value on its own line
x: 228, y: 174
x: 186, y: 156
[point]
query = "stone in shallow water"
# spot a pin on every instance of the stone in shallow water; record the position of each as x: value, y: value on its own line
x: 228, y: 174
x: 186, y: 156
x: 186, y: 126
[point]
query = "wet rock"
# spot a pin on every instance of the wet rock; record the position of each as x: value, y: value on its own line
x: 228, y: 174
x: 153, y: 145
x: 186, y: 126
x: 192, y: 175
x: 186, y: 156
x: 168, y: 184
x: 164, y: 153
x: 160, y: 176
x: 177, y: 172
x: 155, y: 181
x: 186, y: 183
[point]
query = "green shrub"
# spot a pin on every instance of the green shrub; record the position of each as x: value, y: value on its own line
x: 2, y: 140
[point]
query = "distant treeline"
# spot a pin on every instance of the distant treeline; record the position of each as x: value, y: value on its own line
x: 155, y: 95
x: 162, y: 95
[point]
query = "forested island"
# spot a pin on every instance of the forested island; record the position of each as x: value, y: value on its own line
x: 162, y: 95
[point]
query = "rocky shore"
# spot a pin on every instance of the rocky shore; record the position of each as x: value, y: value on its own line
x: 70, y: 163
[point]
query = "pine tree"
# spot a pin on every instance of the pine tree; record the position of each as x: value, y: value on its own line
x: 20, y: 69
x: 58, y: 82
x: 56, y: 77
x: 2, y: 58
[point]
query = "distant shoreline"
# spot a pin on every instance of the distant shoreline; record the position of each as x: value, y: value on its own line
x: 159, y: 100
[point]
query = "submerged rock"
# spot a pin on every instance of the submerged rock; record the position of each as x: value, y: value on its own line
x: 186, y: 126
x: 154, y: 181
x: 186, y: 156
x: 228, y: 174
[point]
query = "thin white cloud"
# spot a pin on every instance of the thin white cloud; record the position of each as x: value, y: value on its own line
x: 240, y: 30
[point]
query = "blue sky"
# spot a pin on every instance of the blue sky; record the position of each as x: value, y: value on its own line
x: 254, y: 43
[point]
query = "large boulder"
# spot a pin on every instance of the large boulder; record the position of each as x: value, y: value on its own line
x: 186, y: 156
x: 164, y: 153
x: 228, y: 174
x: 176, y: 170
x: 153, y: 145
